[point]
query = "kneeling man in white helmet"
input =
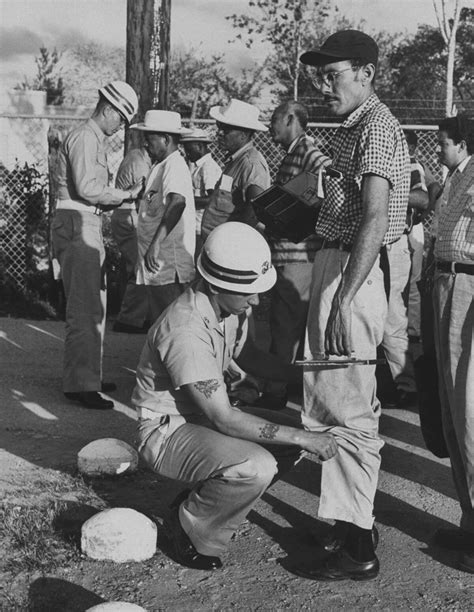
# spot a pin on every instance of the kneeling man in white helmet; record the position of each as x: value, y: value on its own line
x: 188, y: 429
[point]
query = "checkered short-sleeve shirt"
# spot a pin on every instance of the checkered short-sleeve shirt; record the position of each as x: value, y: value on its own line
x: 369, y: 141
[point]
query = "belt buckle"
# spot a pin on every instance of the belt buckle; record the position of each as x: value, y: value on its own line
x: 453, y: 268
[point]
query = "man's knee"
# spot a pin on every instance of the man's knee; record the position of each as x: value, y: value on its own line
x: 258, y: 469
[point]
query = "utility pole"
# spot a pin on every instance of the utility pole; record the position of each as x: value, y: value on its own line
x: 164, y: 88
x: 140, y: 25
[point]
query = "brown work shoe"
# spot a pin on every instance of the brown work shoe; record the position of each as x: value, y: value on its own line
x: 90, y: 399
x: 340, y: 566
x: 183, y: 550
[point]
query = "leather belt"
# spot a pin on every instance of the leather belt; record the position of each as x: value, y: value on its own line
x: 455, y: 267
x: 336, y: 244
x: 75, y: 205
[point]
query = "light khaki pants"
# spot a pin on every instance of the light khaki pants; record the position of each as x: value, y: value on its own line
x: 227, y: 475
x: 79, y: 248
x: 343, y: 401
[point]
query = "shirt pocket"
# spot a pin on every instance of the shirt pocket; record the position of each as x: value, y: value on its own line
x: 334, y: 189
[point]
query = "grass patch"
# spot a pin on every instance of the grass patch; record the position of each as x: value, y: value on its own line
x: 28, y: 534
x: 40, y: 521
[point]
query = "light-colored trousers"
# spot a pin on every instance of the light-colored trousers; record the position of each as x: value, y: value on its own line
x: 395, y: 337
x: 453, y: 301
x: 416, y: 243
x: 228, y: 475
x: 134, y: 308
x: 79, y: 248
x: 343, y: 401
x: 288, y: 312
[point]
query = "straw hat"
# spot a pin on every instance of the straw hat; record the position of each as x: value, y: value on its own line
x: 197, y: 135
x: 240, y: 114
x: 165, y: 122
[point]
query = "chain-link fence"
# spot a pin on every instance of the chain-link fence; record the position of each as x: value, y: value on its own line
x: 27, y: 188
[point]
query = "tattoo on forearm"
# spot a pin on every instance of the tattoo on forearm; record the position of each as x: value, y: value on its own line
x: 207, y: 387
x: 269, y: 431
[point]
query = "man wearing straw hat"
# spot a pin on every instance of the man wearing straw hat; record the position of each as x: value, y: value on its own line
x: 166, y: 217
x: 205, y: 172
x: 83, y: 193
x: 245, y: 173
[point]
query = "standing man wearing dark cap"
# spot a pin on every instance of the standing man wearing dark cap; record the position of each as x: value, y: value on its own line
x: 364, y: 209
x: 83, y: 193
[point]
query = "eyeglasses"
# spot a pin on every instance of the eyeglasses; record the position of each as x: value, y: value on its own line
x: 328, y: 78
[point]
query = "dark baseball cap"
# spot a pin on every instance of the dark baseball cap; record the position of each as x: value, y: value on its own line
x: 343, y: 45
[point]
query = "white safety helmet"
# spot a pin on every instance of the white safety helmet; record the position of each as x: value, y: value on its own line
x: 236, y: 257
x: 122, y: 97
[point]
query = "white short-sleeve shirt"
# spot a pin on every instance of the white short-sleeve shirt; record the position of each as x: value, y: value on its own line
x: 177, y: 250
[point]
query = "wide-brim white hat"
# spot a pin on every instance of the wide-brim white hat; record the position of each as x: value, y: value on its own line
x: 197, y: 135
x: 164, y: 122
x: 240, y: 114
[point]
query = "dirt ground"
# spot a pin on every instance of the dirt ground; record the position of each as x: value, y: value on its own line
x: 41, y: 434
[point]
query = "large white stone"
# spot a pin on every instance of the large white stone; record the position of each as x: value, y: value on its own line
x: 120, y: 535
x: 107, y: 456
x: 116, y: 606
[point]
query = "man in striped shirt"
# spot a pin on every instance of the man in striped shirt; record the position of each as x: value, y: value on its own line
x: 293, y: 262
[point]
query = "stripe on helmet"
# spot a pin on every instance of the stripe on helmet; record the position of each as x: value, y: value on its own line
x: 117, y: 96
x: 240, y: 277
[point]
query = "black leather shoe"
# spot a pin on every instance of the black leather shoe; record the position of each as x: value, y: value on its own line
x: 183, y: 550
x: 340, y: 566
x: 90, y: 399
x: 108, y: 387
x: 128, y: 329
x: 335, y: 538
x: 466, y: 562
x: 271, y: 402
x: 454, y: 539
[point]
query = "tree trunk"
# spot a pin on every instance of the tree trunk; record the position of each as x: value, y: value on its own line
x: 450, y: 73
x: 164, y: 91
x: 140, y: 22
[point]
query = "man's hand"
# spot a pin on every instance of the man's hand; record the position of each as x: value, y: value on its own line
x: 320, y: 444
x: 152, y: 261
x: 337, y: 340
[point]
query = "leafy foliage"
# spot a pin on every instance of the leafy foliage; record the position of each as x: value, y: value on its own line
x: 197, y: 83
x: 88, y: 66
x: 408, y: 62
x: 48, y: 77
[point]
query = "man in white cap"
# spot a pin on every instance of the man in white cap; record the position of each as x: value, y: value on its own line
x: 205, y: 172
x: 245, y: 173
x: 83, y: 193
x: 187, y: 428
x: 166, y: 217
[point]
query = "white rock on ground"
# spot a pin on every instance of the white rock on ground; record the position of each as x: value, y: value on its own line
x: 120, y: 535
x: 107, y: 456
x: 116, y: 606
